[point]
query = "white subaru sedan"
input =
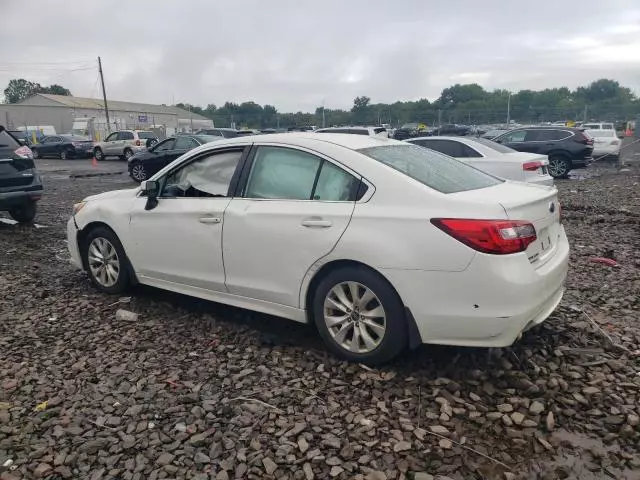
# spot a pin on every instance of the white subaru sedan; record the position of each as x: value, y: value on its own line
x: 380, y: 243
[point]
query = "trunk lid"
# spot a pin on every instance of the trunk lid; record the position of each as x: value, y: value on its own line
x: 532, y: 203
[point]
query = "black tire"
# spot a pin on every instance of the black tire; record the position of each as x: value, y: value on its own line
x: 24, y: 213
x: 395, y: 337
x: 98, y: 154
x: 127, y: 154
x: 124, y: 271
x: 138, y: 172
x: 35, y: 152
x: 559, y: 166
x: 66, y: 154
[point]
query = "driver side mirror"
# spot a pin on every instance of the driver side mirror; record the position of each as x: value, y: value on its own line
x: 150, y: 188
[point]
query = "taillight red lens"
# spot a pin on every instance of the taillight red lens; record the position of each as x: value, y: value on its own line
x: 137, y: 143
x: 531, y: 166
x: 498, y: 237
x: 23, y: 152
x: 584, y: 138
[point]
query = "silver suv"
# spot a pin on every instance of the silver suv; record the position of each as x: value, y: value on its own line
x: 124, y: 144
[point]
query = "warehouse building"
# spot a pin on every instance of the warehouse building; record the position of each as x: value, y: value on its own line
x: 86, y: 116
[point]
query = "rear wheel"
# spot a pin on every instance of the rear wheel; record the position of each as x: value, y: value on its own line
x: 25, y: 213
x: 128, y: 153
x: 559, y: 166
x: 359, y: 315
x: 105, y: 260
x: 138, y: 172
x: 35, y: 152
x: 65, y: 154
x: 98, y: 153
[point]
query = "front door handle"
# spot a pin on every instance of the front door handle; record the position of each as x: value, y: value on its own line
x: 316, y: 222
x: 209, y: 220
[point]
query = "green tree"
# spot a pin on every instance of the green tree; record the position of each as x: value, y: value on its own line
x: 360, y: 103
x: 20, y: 89
x: 56, y: 90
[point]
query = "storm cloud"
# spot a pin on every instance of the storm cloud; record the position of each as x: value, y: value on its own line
x: 298, y: 54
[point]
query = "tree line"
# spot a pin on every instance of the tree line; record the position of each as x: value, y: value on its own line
x: 603, y: 99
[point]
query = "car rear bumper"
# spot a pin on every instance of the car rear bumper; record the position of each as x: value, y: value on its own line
x: 14, y: 196
x: 72, y: 244
x: 489, y: 304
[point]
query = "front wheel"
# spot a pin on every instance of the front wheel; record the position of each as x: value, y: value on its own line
x: 559, y: 166
x: 25, y: 213
x: 98, y: 154
x: 359, y: 316
x: 138, y: 172
x: 105, y: 260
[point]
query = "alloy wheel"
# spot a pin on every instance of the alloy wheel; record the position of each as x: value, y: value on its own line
x: 104, y: 262
x: 557, y: 167
x: 138, y: 172
x: 355, y: 317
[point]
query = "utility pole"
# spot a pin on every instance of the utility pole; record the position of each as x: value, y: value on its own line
x: 509, y: 110
x: 104, y: 95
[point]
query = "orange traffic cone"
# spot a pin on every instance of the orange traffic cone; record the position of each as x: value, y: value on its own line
x: 94, y: 162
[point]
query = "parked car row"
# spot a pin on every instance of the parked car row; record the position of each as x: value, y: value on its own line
x: 382, y: 244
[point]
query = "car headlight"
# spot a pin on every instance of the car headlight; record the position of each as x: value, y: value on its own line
x: 78, y: 206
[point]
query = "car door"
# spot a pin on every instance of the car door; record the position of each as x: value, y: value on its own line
x: 51, y: 146
x: 179, y: 242
x: 109, y: 145
x: 159, y: 156
x: 125, y: 139
x: 292, y: 210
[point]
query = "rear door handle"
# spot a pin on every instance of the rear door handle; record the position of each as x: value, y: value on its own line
x: 316, y: 222
x: 209, y: 219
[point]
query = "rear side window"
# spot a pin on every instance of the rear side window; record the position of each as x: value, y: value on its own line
x: 548, y: 135
x: 288, y: 174
x: 125, y: 136
x: 437, y: 171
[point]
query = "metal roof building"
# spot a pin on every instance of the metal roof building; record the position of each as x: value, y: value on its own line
x: 65, y: 113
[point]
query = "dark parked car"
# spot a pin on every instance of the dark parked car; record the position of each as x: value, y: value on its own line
x: 145, y: 164
x: 63, y: 146
x: 491, y: 134
x: 219, y: 132
x: 23, y: 137
x: 567, y: 148
x: 452, y: 129
x: 20, y: 184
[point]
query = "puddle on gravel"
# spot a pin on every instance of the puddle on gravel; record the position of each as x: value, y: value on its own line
x: 579, y: 460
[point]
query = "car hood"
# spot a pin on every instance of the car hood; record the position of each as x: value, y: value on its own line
x: 127, y: 193
x: 143, y: 155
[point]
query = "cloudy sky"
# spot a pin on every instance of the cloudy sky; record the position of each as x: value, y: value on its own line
x: 296, y: 53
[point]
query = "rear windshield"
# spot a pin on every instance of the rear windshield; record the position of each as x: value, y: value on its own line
x: 494, y: 145
x: 208, y: 138
x: 601, y: 133
x: 440, y: 172
x: 7, y: 142
x: 146, y: 135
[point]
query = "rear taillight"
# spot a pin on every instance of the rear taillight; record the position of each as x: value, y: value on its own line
x: 23, y: 152
x: 583, y: 138
x: 137, y: 143
x: 499, y: 237
x: 531, y: 166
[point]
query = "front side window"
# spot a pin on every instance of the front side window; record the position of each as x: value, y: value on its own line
x: 493, y: 145
x: 185, y: 143
x: 112, y: 137
x: 165, y: 145
x: 437, y: 171
x: 207, y: 176
x: 517, y: 136
x: 287, y: 174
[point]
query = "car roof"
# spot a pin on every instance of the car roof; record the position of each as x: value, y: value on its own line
x: 302, y: 139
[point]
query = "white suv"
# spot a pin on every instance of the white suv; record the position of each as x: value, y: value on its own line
x: 371, y: 131
x: 124, y: 144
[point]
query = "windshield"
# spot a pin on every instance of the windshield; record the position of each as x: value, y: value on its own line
x: 440, y: 172
x: 494, y: 145
x: 146, y: 135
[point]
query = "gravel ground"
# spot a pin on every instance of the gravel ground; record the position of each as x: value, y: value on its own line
x: 195, y: 390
